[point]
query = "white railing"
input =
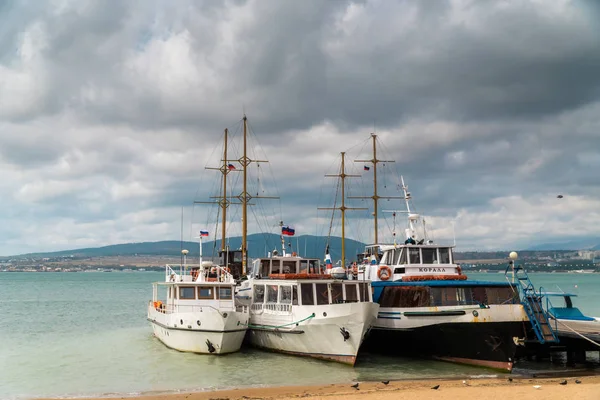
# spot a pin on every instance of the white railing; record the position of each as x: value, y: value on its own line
x: 184, y: 308
x: 194, y: 273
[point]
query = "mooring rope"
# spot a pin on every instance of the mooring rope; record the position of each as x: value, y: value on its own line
x: 281, y: 326
x: 577, y: 333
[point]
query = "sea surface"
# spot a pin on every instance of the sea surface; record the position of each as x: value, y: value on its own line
x: 86, y: 334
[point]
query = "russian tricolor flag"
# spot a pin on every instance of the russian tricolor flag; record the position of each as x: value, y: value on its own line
x: 230, y: 167
x: 203, y: 233
x: 286, y: 230
x: 328, y: 263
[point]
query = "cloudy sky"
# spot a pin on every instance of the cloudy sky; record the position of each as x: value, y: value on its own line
x: 111, y: 110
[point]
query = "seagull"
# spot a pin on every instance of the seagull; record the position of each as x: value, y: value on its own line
x: 465, y: 383
x: 436, y: 387
x: 385, y: 382
x: 577, y: 381
x: 563, y: 382
x: 510, y: 379
x: 355, y: 386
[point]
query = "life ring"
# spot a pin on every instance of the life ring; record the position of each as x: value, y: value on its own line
x: 384, y: 273
x: 226, y: 269
x: 458, y: 269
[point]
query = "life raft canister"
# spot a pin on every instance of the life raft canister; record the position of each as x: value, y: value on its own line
x: 384, y: 273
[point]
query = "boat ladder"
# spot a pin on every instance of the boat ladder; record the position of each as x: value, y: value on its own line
x: 533, y: 303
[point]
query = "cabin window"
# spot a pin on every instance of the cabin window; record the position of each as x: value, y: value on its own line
x: 224, y: 293
x: 304, y: 266
x: 205, y: 292
x: 444, y: 255
x: 272, y: 293
x: 405, y: 296
x: 322, y: 293
x: 187, y: 293
x: 443, y: 296
x: 265, y: 266
x: 479, y: 296
x: 289, y: 267
x: 286, y: 294
x: 384, y: 258
x: 363, y: 289
x: 337, y: 294
x: 429, y: 256
x: 351, y: 292
x: 313, y: 266
x: 399, y: 270
x: 500, y: 295
x: 306, y: 290
x: 403, y: 257
x: 259, y: 293
x: 463, y: 296
x: 397, y: 253
x: 275, y: 266
x: 414, y: 255
x: 295, y: 295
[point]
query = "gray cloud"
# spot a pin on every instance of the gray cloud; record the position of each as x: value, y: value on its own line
x: 109, y: 113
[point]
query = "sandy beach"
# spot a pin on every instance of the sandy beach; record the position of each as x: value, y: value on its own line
x: 488, y: 389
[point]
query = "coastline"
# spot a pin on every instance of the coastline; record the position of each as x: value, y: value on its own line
x: 490, y: 388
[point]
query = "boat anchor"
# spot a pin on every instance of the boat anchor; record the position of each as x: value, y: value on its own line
x: 211, y: 348
x: 345, y: 333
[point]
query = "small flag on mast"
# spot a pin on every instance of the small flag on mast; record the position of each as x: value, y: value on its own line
x: 230, y: 166
x: 203, y: 233
x: 286, y: 230
x: 366, y: 168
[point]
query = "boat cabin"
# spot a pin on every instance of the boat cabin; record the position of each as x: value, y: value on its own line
x: 565, y: 310
x: 275, y: 266
x: 281, y: 295
x: 402, y: 262
x: 188, y: 289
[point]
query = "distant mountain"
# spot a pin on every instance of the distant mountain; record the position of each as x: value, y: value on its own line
x: 574, y: 244
x: 258, y: 246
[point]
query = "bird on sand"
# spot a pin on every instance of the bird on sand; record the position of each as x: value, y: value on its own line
x: 465, y: 383
x: 355, y: 386
x: 563, y: 382
x: 436, y: 387
x: 385, y: 382
x: 577, y: 381
x: 510, y: 379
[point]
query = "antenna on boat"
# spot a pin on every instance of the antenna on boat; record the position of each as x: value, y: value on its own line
x: 375, y: 196
x: 343, y: 175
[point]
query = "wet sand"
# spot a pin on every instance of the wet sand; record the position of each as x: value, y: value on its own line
x: 484, y: 389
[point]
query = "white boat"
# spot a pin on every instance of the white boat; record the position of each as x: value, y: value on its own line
x: 570, y: 323
x: 297, y: 308
x: 197, y: 312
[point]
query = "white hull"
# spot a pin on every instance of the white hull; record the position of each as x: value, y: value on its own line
x: 589, y: 329
x: 319, y: 336
x: 397, y: 318
x: 216, y: 332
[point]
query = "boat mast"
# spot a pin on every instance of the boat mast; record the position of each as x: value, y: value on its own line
x: 375, y: 195
x: 225, y: 170
x: 343, y: 175
x: 244, y: 199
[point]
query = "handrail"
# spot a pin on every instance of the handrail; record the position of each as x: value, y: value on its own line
x: 549, y: 306
x: 175, y: 308
x: 284, y: 325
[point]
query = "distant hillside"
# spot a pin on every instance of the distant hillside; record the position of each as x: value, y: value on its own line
x: 575, y: 244
x: 258, y: 246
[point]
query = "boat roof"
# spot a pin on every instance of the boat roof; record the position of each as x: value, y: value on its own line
x: 561, y: 294
x: 454, y: 283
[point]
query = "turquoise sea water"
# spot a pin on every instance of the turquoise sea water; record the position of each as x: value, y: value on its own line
x: 86, y: 334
